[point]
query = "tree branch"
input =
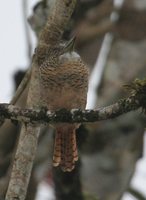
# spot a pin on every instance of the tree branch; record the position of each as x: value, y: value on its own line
x: 75, y: 115
x: 27, y: 144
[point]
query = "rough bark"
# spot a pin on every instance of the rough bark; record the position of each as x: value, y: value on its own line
x: 75, y: 115
x: 27, y: 144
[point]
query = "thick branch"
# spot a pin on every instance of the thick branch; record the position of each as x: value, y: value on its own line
x: 75, y: 115
x: 57, y: 21
x: 29, y: 134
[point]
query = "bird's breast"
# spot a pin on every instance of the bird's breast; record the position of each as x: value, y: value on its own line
x: 64, y: 86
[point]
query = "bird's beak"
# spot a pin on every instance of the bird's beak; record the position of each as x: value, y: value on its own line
x: 69, y: 47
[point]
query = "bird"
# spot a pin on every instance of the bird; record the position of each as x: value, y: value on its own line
x: 63, y: 84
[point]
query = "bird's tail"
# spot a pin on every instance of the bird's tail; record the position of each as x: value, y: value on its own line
x: 65, y: 149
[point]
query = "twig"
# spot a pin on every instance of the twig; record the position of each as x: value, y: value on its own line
x: 27, y: 34
x: 21, y: 87
x: 137, y: 194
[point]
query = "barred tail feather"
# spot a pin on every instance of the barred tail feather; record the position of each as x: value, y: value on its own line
x: 65, y: 149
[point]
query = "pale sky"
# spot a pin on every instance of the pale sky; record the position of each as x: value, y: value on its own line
x: 13, y: 49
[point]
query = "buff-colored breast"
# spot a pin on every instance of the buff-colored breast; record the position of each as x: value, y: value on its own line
x: 64, y: 86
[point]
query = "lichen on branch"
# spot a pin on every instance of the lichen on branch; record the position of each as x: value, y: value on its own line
x: 138, y: 90
x: 135, y: 101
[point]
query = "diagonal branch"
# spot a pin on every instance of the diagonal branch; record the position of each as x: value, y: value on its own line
x: 27, y: 144
x: 57, y: 21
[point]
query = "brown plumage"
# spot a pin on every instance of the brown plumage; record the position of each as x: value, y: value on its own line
x: 64, y: 85
x: 65, y: 148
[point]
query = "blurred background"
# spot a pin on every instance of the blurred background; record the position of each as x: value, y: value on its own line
x: 111, y: 39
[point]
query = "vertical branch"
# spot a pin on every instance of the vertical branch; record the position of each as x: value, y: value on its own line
x: 68, y: 185
x: 27, y: 144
